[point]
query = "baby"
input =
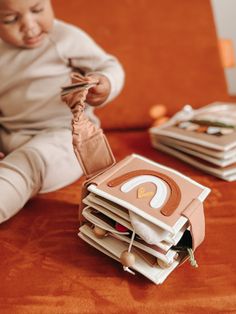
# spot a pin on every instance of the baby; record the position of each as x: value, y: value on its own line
x: 37, y: 55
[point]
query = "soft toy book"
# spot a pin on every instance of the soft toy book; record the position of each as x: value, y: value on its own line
x: 145, y: 215
x: 204, y: 138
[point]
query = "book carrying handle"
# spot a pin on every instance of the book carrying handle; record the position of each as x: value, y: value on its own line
x: 90, y: 144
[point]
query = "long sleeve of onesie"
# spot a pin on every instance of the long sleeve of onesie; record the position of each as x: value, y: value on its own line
x: 83, y: 53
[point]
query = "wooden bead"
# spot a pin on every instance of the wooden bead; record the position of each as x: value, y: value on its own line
x: 162, y: 264
x: 99, y: 232
x: 127, y: 259
x: 157, y: 111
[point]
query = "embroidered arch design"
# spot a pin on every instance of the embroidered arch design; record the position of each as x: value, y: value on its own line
x: 156, y: 178
x: 160, y: 196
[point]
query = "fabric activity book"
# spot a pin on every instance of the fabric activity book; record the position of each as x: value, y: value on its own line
x: 204, y: 138
x: 136, y: 211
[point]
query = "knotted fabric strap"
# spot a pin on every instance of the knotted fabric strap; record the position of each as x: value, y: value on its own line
x: 90, y: 144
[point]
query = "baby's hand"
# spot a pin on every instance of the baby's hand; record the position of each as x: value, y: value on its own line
x: 1, y: 155
x: 99, y: 93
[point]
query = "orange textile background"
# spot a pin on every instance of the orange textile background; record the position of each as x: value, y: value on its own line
x: 168, y: 49
x: 170, y: 54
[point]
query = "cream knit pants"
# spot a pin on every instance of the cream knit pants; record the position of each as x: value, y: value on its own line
x: 34, y: 164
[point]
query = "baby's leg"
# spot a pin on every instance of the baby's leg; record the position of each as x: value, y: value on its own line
x: 61, y: 165
x: 45, y: 163
x: 21, y: 175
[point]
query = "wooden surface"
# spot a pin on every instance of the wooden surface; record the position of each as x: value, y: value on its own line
x: 46, y: 268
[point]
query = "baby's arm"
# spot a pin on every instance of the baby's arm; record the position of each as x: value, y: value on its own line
x: 84, y: 54
x: 1, y: 155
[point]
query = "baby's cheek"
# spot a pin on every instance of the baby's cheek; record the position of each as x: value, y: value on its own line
x: 11, y: 35
x: 46, y: 23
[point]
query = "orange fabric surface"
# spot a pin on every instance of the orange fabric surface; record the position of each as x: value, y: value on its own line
x: 168, y: 49
x: 46, y: 268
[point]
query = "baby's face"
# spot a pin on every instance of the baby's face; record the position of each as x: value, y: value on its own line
x: 25, y: 23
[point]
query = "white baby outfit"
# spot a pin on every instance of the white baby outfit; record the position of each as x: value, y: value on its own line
x: 35, y: 125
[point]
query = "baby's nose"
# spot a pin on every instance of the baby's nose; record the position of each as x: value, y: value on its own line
x: 31, y: 32
x: 29, y: 26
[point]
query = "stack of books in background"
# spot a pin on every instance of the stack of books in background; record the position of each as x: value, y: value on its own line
x: 204, y: 138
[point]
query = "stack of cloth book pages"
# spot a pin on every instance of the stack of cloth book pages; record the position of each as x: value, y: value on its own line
x: 204, y: 138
